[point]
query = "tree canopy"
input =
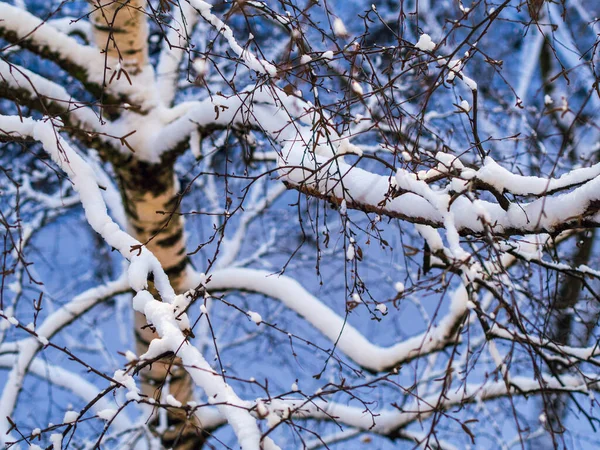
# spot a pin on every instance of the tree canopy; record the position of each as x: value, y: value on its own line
x: 320, y: 224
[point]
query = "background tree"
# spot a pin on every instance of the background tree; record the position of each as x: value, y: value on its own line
x: 336, y: 223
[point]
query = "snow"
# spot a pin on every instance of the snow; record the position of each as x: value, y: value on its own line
x: 425, y: 43
x: 350, y: 252
x: 346, y: 147
x: 382, y: 308
x: 36, y: 431
x: 454, y: 68
x: 200, y: 66
x: 261, y: 409
x: 471, y: 84
x: 295, y: 387
x: 305, y: 59
x: 162, y: 316
x: 356, y: 87
x: 336, y: 328
x: 343, y: 208
x: 363, y: 188
x: 141, y: 299
x: 172, y: 401
x: 327, y: 55
x: 107, y: 414
x: 449, y: 160
x: 255, y: 317
x: 56, y: 439
x: 399, y: 286
x: 22, y: 23
x: 502, y: 179
x: 339, y: 29
x: 250, y: 59
x: 85, y: 183
x: 123, y: 378
x: 548, y: 100
x: 87, y: 57
x: 70, y: 417
x: 130, y: 356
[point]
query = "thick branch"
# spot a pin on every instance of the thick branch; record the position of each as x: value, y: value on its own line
x: 31, y: 33
x: 347, y: 338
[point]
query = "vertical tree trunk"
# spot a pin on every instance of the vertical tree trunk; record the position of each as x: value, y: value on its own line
x: 149, y: 194
x: 121, y: 30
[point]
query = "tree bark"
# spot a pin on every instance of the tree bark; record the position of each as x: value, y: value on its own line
x: 121, y: 30
x: 149, y: 193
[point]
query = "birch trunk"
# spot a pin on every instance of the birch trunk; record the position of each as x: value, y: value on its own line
x: 121, y: 30
x: 149, y: 194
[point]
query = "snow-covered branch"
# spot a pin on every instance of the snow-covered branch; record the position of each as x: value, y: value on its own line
x: 316, y: 167
x: 28, y: 348
x: 174, y: 47
x: 348, y: 339
x: 261, y: 66
x: 164, y: 316
x: 388, y: 422
x: 28, y: 31
x: 24, y: 86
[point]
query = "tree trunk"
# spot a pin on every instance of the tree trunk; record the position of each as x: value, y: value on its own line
x: 149, y: 193
x: 121, y: 31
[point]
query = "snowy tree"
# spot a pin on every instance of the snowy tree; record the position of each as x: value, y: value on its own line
x: 299, y: 224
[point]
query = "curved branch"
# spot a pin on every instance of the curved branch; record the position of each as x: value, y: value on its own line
x: 164, y: 315
x: 51, y: 99
x: 348, y: 339
x: 390, y: 422
x: 72, y: 382
x: 28, y: 348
